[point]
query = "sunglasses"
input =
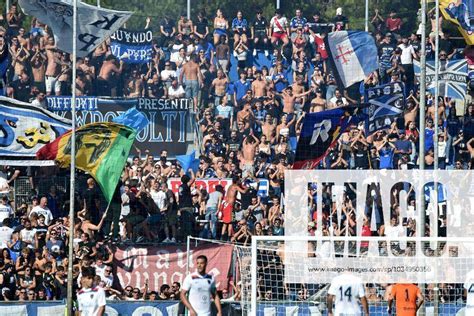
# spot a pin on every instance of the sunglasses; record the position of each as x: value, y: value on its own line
x: 108, y: 271
x: 135, y: 292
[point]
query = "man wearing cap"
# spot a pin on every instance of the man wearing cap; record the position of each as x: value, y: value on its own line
x: 259, y: 30
x: 341, y: 23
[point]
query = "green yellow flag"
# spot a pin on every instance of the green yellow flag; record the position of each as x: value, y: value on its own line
x: 101, y: 150
x: 461, y: 13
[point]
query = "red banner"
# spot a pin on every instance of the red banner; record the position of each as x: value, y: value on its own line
x: 208, y: 184
x: 167, y: 264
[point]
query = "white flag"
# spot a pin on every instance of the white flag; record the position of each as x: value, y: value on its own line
x: 94, y: 25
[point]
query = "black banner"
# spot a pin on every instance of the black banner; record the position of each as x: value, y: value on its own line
x: 169, y: 125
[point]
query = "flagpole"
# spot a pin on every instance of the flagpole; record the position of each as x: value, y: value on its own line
x: 366, y: 15
x: 436, y: 152
x: 70, y: 279
x: 421, y: 156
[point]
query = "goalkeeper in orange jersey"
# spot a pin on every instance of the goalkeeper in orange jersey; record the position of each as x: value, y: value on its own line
x: 408, y: 299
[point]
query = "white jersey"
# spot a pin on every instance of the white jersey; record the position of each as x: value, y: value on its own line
x: 46, y: 212
x: 5, y: 235
x: 469, y: 286
x: 90, y: 300
x: 279, y: 25
x: 200, y: 288
x: 347, y: 289
x: 5, y: 212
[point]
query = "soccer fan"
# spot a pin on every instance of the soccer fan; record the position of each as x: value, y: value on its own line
x: 91, y: 299
x: 345, y: 292
x: 201, y: 288
x: 408, y: 299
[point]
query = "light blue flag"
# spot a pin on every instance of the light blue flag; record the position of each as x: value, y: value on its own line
x: 354, y: 55
x: 132, y: 118
x: 188, y: 161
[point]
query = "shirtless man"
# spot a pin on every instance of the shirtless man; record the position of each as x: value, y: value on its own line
x: 108, y: 69
x: 411, y: 109
x: 191, y: 78
x: 135, y: 85
x: 38, y: 67
x: 87, y: 69
x: 249, y: 149
x: 289, y: 100
x: 259, y: 86
x: 246, y: 115
x: 318, y: 104
x: 227, y: 206
x: 53, y: 68
x: 274, y: 212
x: 441, y: 109
x: 269, y: 128
x: 220, y: 87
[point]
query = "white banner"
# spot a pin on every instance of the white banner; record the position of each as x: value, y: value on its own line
x: 94, y: 25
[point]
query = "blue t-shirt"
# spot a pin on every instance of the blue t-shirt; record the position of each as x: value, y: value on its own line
x: 386, y: 158
x: 280, y: 85
x: 239, y: 24
x: 429, y: 142
x: 298, y: 22
x: 241, y: 89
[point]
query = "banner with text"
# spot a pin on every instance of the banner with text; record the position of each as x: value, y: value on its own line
x: 386, y: 104
x: 134, y: 47
x: 169, y: 119
x: 452, y: 77
x: 26, y: 128
x: 167, y: 264
x: 210, y: 185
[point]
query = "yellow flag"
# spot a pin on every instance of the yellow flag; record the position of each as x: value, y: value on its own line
x: 461, y: 13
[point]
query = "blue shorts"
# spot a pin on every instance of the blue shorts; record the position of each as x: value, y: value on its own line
x: 192, y: 88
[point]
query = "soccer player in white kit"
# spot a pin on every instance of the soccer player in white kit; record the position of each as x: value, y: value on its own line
x: 201, y: 288
x: 469, y: 293
x: 345, y: 292
x: 91, y: 298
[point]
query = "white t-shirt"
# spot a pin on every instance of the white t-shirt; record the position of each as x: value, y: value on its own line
x: 5, y: 235
x: 469, y: 286
x: 126, y: 205
x: 347, y: 289
x: 90, y: 300
x: 200, y: 288
x: 159, y: 197
x: 175, y: 93
x: 406, y: 57
x: 28, y: 236
x: 46, y: 212
x: 167, y: 75
x: 5, y: 212
x: 283, y: 23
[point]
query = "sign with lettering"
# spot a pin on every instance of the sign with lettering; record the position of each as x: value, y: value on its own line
x: 167, y: 264
x: 452, y: 77
x: 132, y: 46
x: 210, y: 185
x: 26, y: 128
x: 386, y: 104
x: 169, y: 120
x: 94, y: 24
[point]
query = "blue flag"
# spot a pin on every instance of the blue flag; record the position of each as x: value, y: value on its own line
x: 320, y: 133
x: 132, y: 118
x: 354, y: 55
x: 188, y: 161
x: 385, y: 104
x: 452, y: 77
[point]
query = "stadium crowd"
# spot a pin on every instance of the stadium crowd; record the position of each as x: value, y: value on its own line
x: 248, y: 129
